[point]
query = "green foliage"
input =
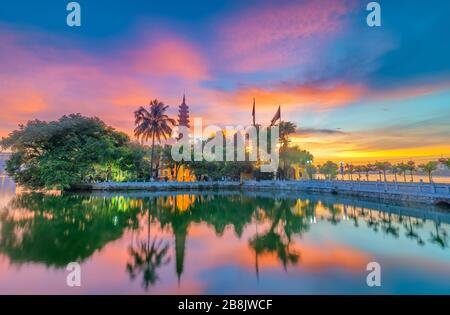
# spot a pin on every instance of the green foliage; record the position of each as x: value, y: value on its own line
x: 295, y: 155
x: 153, y: 124
x: 329, y: 169
x: 71, y: 150
x: 429, y: 168
x: 286, y: 129
x: 63, y: 228
x: 403, y: 168
x: 383, y: 167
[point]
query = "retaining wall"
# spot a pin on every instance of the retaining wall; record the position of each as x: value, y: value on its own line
x: 415, y: 192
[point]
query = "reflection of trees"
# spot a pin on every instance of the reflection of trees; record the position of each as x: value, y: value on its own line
x: 146, y: 257
x: 411, y: 233
x: 335, y: 213
x: 215, y: 210
x: 387, y: 224
x: 271, y: 242
x: 440, y: 236
x: 354, y: 216
x: 285, y: 223
x: 56, y: 230
x: 372, y: 221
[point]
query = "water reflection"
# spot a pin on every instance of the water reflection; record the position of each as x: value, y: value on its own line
x: 55, y: 230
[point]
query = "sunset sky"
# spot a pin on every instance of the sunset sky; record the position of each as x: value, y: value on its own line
x: 355, y: 92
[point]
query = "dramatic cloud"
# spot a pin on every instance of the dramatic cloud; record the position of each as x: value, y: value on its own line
x: 41, y: 81
x: 171, y: 56
x: 279, y: 35
x: 294, y: 97
x: 317, y: 59
x: 312, y: 131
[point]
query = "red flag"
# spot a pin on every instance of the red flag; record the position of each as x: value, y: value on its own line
x: 276, y: 117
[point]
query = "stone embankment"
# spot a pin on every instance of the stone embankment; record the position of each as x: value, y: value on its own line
x: 410, y: 192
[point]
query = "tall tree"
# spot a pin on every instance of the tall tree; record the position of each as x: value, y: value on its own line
x: 59, y: 154
x: 429, y: 168
x: 411, y: 168
x: 153, y: 124
x: 383, y: 167
x: 367, y: 169
x: 329, y: 169
x: 286, y: 129
x: 403, y: 168
x: 350, y: 168
x: 445, y: 161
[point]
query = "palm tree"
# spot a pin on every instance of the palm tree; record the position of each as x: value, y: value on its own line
x: 383, y: 167
x: 403, y: 168
x: 350, y: 169
x: 153, y: 124
x: 441, y: 237
x: 395, y: 170
x: 411, y: 168
x: 429, y: 168
x: 359, y: 169
x: 367, y: 169
x: 286, y: 128
x: 147, y: 256
x: 445, y: 161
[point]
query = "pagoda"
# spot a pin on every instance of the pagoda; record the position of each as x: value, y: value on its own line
x: 183, y: 114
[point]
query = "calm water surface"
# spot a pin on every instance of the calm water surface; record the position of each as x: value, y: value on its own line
x: 214, y: 243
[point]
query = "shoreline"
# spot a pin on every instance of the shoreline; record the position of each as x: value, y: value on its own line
x: 425, y: 193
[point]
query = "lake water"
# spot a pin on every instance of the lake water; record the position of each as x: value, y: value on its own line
x: 219, y: 243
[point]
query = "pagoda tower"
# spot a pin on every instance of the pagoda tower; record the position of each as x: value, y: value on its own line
x: 183, y: 114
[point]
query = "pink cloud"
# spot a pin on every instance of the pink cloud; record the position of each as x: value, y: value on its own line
x: 46, y: 82
x: 170, y: 57
x: 267, y: 37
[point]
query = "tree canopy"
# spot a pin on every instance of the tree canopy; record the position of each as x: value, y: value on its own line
x: 72, y: 150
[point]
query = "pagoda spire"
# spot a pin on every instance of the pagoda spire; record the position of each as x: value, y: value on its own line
x: 183, y: 114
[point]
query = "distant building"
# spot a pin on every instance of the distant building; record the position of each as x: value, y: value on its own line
x: 183, y: 174
x: 183, y: 114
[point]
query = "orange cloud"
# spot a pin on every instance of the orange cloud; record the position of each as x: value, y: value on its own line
x: 312, y: 257
x: 21, y: 102
x: 293, y: 97
x: 171, y: 57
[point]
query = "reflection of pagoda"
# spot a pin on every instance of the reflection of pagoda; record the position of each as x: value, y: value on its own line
x: 183, y: 115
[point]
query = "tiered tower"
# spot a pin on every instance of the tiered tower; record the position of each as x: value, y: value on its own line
x: 183, y: 115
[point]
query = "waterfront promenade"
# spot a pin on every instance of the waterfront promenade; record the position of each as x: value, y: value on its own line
x: 411, y: 192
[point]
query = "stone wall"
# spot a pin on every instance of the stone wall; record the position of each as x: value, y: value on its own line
x: 414, y: 192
